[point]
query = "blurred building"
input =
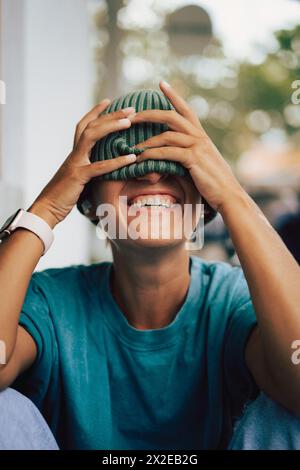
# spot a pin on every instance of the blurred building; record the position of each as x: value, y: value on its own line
x: 46, y: 66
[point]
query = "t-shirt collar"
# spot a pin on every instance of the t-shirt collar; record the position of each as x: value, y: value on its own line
x: 156, y: 338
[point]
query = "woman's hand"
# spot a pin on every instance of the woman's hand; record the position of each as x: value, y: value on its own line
x: 188, y: 144
x: 61, y: 194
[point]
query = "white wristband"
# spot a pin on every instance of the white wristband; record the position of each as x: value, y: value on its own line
x: 35, y: 224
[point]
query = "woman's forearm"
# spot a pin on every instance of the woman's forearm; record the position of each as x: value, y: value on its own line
x: 19, y: 255
x: 273, y: 277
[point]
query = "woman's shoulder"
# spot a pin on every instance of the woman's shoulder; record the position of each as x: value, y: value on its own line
x: 68, y: 275
x: 215, y: 268
x: 219, y: 276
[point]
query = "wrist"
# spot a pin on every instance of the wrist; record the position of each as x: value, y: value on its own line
x: 39, y: 209
x: 241, y: 210
x: 236, y: 200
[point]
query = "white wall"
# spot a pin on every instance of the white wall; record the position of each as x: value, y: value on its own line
x: 48, y: 71
x: 12, y: 113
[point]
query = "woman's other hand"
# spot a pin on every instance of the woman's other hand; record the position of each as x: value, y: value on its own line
x: 62, y: 192
x: 187, y: 143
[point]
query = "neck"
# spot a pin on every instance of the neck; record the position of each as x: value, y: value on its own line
x: 150, y: 288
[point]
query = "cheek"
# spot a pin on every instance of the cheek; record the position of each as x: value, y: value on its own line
x: 194, y: 210
x: 109, y: 206
x: 192, y: 195
x: 107, y: 192
x: 103, y: 199
x: 110, y: 194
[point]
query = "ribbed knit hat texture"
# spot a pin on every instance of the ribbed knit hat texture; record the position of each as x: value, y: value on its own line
x: 122, y: 142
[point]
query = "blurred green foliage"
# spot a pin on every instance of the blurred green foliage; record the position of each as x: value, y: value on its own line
x: 237, y: 103
x: 259, y: 101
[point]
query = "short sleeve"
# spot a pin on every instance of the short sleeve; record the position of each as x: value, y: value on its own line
x: 242, y: 319
x: 35, y: 318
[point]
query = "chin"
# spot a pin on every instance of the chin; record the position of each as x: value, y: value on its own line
x: 158, y: 237
x: 156, y: 233
x: 159, y: 241
x: 147, y: 243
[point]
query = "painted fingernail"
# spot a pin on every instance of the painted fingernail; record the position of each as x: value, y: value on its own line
x: 131, y: 156
x: 124, y: 122
x: 129, y: 110
x: 131, y: 116
x: 166, y: 84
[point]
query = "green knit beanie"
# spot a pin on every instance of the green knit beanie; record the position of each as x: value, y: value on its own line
x: 122, y: 142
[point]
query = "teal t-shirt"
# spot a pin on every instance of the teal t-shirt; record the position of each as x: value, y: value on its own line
x: 103, y: 384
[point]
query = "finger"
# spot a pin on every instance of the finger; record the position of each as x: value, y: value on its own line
x: 170, y: 138
x: 174, y: 121
x: 106, y: 166
x: 90, y: 116
x: 91, y: 135
x: 176, y: 154
x: 179, y: 103
x: 126, y: 112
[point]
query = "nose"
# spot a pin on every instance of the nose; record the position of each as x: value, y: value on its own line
x: 152, y: 178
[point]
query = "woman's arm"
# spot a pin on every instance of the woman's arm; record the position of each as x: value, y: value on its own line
x: 20, y: 253
x: 272, y: 274
x: 273, y: 277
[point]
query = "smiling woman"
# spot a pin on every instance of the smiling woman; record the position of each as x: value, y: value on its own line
x: 158, y: 349
x: 162, y: 179
x: 125, y: 142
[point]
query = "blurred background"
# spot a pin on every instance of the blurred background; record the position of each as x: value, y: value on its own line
x: 236, y: 62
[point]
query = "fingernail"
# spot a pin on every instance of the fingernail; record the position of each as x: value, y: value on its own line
x: 128, y: 110
x: 131, y: 116
x: 166, y: 84
x: 124, y: 122
x: 131, y: 156
x: 106, y: 100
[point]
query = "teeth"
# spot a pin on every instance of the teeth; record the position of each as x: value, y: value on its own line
x: 155, y: 201
x: 153, y: 204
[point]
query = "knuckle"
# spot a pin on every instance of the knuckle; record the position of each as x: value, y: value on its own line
x: 74, y: 173
x: 107, y: 117
x: 87, y: 133
x: 168, y: 134
x: 172, y: 113
x: 80, y: 126
x: 194, y: 148
x: 117, y: 114
x: 187, y: 158
x: 102, y: 117
x: 78, y: 129
x: 100, y: 164
x: 205, y: 141
x: 90, y: 125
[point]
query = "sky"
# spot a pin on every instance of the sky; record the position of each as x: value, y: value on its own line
x: 240, y: 24
x: 243, y: 23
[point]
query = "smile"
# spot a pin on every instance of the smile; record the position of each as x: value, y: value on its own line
x: 159, y: 200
